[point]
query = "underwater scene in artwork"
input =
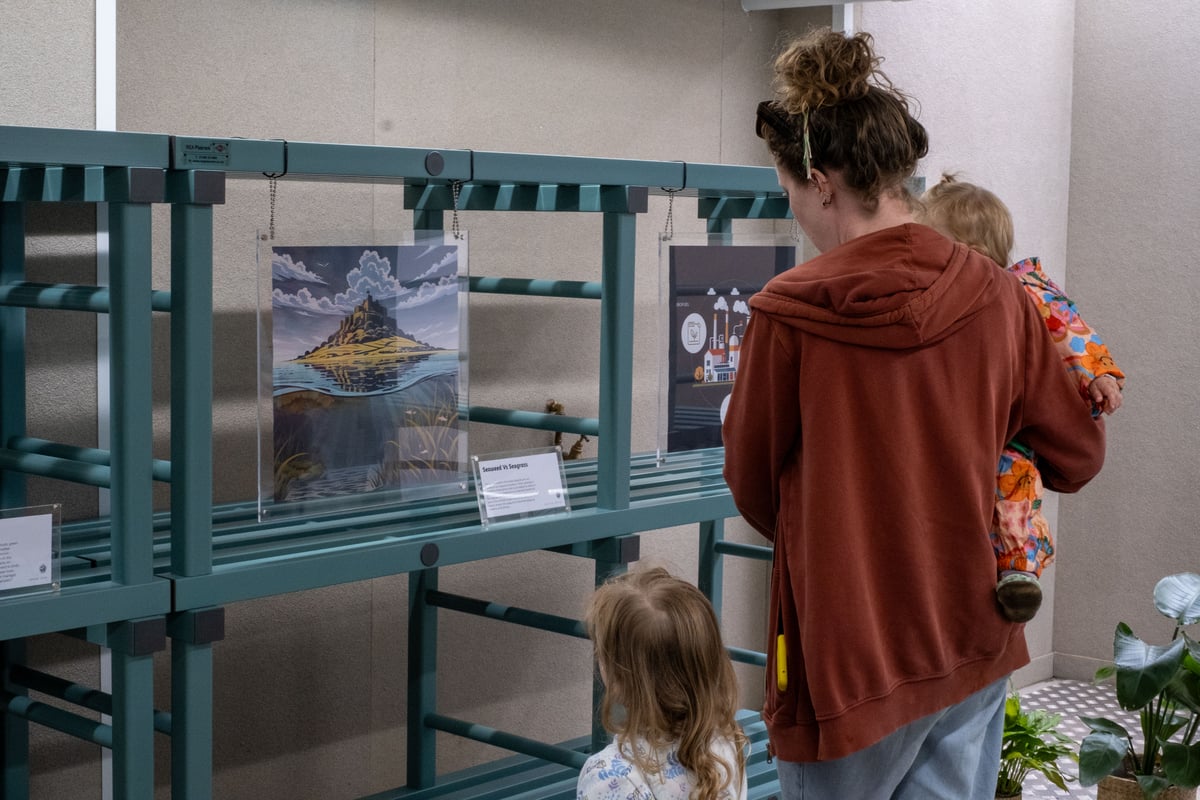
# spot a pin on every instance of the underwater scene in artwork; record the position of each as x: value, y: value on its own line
x: 365, y: 370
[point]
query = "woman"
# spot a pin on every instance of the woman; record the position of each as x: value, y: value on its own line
x: 878, y: 384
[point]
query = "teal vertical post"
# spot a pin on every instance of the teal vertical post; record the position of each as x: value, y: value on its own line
x: 616, y: 360
x: 131, y: 403
x: 14, y: 730
x: 12, y: 347
x: 422, y: 679
x: 132, y: 712
x: 719, y: 230
x: 191, y: 719
x: 191, y: 479
x: 711, y: 572
x: 191, y: 388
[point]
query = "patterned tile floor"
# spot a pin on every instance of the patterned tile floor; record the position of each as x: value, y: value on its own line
x: 1071, y: 699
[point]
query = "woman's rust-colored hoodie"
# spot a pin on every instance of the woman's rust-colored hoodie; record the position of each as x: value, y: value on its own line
x: 876, y: 387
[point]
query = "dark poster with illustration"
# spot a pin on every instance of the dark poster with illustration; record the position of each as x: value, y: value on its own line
x: 365, y: 370
x: 709, y: 291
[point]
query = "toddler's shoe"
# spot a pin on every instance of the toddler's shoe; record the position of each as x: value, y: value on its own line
x: 1020, y: 596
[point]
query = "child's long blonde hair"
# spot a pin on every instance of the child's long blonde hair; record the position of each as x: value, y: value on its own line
x: 969, y: 214
x: 658, y: 644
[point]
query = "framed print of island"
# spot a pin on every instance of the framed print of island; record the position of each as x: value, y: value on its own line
x: 367, y: 376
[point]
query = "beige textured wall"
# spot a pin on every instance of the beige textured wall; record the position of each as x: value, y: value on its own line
x: 993, y: 83
x: 1132, y: 242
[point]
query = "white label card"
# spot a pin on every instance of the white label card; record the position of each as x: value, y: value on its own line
x: 26, y: 551
x: 522, y: 484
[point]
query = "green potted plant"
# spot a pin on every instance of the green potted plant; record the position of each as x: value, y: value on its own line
x: 1032, y: 743
x: 1162, y: 684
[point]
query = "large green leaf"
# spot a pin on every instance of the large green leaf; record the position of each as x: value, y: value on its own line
x: 1143, y: 670
x: 1100, y: 754
x: 1184, y: 689
x: 1181, y: 764
x: 1105, y: 725
x: 1152, y: 785
x: 1178, y: 597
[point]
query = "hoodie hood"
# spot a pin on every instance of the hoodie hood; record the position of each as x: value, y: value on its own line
x: 897, y: 288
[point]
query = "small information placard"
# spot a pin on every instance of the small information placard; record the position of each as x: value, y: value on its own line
x: 29, y: 550
x: 520, y: 484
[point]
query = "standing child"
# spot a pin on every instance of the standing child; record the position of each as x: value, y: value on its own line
x: 658, y: 647
x: 1020, y: 534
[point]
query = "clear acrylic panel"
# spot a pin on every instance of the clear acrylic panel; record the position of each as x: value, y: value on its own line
x: 362, y: 370
x: 30, y: 550
x: 705, y: 284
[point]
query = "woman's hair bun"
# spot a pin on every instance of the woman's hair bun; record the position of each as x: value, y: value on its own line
x: 825, y: 68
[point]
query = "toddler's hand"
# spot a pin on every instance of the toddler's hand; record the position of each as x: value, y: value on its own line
x: 1106, y: 394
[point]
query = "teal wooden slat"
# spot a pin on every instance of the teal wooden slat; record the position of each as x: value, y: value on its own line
x: 490, y: 167
x: 759, y: 207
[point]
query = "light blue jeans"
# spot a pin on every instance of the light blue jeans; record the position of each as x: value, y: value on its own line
x: 953, y: 754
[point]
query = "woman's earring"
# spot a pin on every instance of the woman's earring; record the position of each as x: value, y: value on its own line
x: 826, y: 199
x: 795, y: 230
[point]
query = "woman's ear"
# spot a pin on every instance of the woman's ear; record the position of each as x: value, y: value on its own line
x: 821, y: 181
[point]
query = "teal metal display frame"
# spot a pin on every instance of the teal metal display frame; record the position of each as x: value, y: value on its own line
x: 135, y: 577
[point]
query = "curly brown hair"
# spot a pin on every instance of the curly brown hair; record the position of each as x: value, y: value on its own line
x: 829, y: 87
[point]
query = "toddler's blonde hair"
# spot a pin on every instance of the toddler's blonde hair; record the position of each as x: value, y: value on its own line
x: 969, y: 214
x: 659, y: 647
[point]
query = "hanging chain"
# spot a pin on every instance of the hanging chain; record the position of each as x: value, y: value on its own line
x: 669, y: 228
x: 273, y: 183
x: 455, y: 188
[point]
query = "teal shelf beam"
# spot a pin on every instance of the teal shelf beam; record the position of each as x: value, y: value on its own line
x: 76, y: 693
x: 94, y: 603
x: 538, y: 620
x: 68, y: 147
x: 69, y: 297
x: 754, y: 551
x: 160, y: 469
x: 507, y: 741
x: 725, y: 180
x: 318, y: 160
x: 59, y: 468
x: 314, y: 565
x: 752, y: 657
x: 579, y: 290
x: 586, y: 426
x: 59, y: 719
